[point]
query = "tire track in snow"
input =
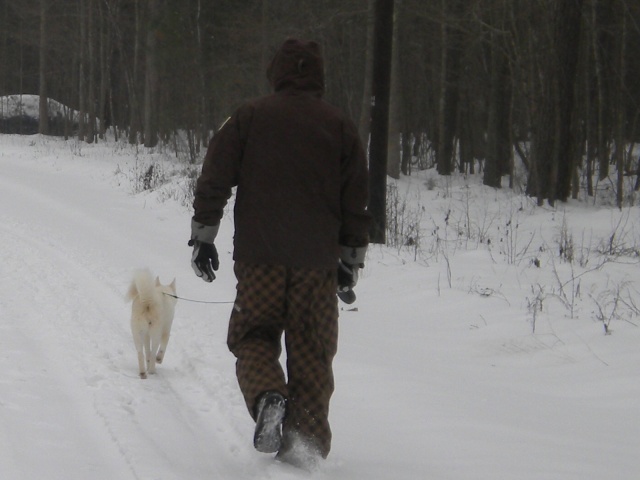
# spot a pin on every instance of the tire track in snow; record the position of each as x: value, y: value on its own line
x: 77, y: 324
x: 66, y: 319
x: 49, y: 408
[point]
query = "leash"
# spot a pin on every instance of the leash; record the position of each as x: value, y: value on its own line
x: 347, y: 296
x: 194, y: 301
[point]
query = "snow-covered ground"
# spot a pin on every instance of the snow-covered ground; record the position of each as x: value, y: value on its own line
x: 478, y: 353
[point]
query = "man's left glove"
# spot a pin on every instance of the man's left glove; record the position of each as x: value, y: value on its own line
x: 205, y: 256
x: 350, y: 261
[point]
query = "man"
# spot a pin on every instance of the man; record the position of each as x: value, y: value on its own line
x: 300, y: 214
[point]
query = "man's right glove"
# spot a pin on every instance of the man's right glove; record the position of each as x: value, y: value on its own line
x: 205, y: 256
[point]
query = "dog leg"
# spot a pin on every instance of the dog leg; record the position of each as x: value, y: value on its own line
x: 142, y: 364
x: 147, y: 355
x: 151, y: 356
x: 164, y: 340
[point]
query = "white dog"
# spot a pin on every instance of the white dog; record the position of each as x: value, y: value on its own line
x: 151, y: 318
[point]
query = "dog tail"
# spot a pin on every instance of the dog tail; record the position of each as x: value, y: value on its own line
x: 143, y: 289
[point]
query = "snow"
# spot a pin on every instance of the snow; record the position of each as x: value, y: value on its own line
x: 462, y: 358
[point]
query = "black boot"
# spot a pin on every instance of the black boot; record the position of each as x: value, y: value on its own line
x: 270, y: 412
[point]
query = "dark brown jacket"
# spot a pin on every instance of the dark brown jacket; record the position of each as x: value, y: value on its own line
x: 299, y: 166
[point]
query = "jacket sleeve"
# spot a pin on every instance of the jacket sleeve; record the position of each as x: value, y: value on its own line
x: 221, y: 168
x: 356, y: 220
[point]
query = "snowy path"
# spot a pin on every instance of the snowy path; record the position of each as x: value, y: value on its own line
x: 74, y: 339
x: 74, y: 403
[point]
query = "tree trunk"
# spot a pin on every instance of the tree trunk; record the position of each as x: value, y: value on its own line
x: 4, y: 50
x: 132, y: 80
x: 498, y: 129
x: 448, y: 95
x: 442, y: 165
x: 568, y: 35
x: 620, y: 110
x: 395, y: 105
x: 105, y: 72
x: 203, y: 136
x: 151, y: 77
x: 552, y: 149
x: 380, y: 118
x: 405, y: 166
x: 82, y: 90
x: 602, y: 146
x: 91, y: 94
x: 465, y: 133
x: 364, y: 123
x: 43, y: 124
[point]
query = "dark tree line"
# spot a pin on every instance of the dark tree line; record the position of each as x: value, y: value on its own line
x: 477, y: 85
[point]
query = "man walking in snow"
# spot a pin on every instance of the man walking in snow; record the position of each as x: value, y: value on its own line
x: 301, y: 228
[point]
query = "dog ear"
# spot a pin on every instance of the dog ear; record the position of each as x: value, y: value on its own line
x: 172, y: 285
x: 158, y: 281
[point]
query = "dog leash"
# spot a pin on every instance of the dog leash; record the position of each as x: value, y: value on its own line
x: 194, y: 301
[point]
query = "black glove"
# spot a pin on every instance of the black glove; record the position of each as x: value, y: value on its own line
x: 204, y: 260
x: 347, y: 276
x: 205, y: 256
x: 350, y: 261
x: 347, y: 279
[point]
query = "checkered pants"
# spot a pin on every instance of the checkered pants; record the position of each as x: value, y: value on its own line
x: 301, y: 303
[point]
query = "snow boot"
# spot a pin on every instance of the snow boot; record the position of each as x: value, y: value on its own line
x: 270, y: 414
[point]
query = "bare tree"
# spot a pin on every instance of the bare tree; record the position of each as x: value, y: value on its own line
x: 82, y: 70
x: 553, y: 155
x: 151, y: 75
x: 620, y: 125
x: 43, y: 127
x: 395, y: 102
x: 380, y: 117
x: 365, y: 110
x: 450, y: 54
x: 91, y: 72
x: 499, y: 142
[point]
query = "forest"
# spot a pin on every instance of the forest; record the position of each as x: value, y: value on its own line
x: 477, y: 86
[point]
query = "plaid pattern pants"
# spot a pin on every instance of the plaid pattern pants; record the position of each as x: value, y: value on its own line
x: 301, y: 303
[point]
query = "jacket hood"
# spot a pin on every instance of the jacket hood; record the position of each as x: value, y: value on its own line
x: 297, y: 65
